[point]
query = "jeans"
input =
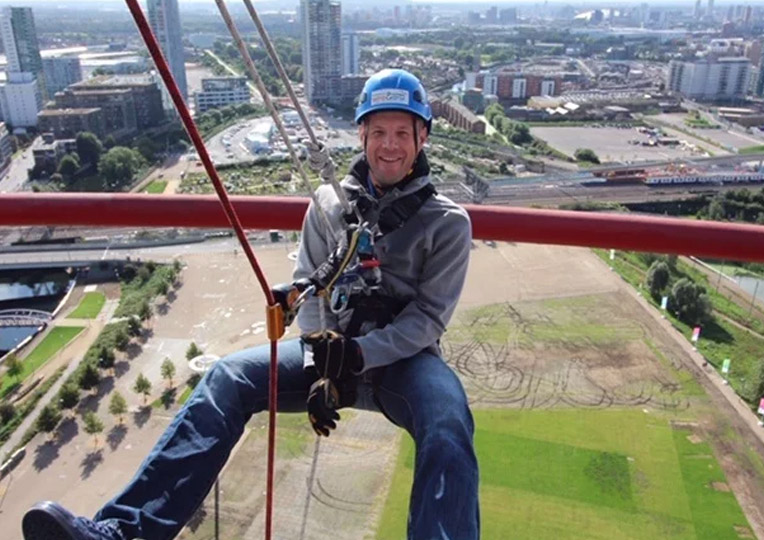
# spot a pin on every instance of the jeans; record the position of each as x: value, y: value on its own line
x: 421, y: 394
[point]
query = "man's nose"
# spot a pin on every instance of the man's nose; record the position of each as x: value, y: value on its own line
x: 389, y: 141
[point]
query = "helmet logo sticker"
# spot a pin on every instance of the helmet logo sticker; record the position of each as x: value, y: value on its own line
x: 379, y: 97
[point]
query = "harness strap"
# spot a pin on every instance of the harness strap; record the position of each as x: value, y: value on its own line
x: 395, y: 215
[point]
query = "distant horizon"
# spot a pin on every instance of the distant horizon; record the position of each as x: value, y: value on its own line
x: 381, y: 3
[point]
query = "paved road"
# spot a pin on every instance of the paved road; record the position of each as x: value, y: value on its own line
x: 256, y: 97
x: 16, y: 177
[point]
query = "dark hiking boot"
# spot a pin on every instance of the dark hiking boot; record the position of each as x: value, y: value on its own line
x: 51, y: 521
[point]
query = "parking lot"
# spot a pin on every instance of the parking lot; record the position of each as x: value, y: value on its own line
x: 611, y: 144
x: 230, y: 146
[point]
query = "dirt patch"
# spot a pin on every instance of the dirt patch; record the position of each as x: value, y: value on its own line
x: 694, y: 439
x: 744, y: 532
x: 720, y: 486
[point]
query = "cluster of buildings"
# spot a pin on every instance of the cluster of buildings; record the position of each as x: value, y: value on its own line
x: 493, y: 15
x: 116, y: 105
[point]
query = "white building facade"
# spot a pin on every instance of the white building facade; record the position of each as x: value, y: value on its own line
x: 20, y: 100
x: 221, y: 92
x: 722, y: 79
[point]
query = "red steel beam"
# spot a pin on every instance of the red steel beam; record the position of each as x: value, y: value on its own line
x: 728, y: 241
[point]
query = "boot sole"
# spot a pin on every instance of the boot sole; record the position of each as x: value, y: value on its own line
x: 46, y: 521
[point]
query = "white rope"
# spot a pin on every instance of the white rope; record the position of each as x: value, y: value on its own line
x: 252, y: 70
x: 319, y: 152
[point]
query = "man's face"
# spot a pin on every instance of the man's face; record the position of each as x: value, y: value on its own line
x: 390, y: 146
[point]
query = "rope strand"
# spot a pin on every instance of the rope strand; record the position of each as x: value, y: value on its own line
x: 303, y: 117
x: 273, y: 306
x: 255, y: 76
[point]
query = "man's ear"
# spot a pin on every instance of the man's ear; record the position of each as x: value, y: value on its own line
x: 423, y: 134
x: 361, y: 131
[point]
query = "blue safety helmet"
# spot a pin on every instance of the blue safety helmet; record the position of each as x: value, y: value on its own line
x: 394, y: 90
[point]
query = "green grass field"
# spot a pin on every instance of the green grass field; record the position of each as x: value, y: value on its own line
x: 752, y: 149
x: 587, y: 474
x: 50, y: 345
x: 157, y: 186
x: 90, y: 306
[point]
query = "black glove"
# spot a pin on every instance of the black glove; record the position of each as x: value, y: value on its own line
x: 335, y: 356
x: 323, y: 400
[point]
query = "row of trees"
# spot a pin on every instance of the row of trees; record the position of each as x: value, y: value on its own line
x: 114, y: 339
x: 289, y: 51
x: 516, y: 132
x: 69, y: 397
x: 687, y: 299
x: 210, y: 120
x: 736, y: 205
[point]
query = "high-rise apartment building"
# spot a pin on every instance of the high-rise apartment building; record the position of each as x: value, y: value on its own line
x: 21, y: 98
x: 60, y: 72
x: 321, y: 48
x: 20, y: 40
x: 164, y: 19
x: 714, y: 79
x: 351, y: 53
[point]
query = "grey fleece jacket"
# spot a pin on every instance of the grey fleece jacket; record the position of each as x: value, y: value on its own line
x: 423, y: 263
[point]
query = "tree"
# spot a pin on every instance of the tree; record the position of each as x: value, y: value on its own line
x: 193, y: 351
x: 106, y: 358
x: 69, y: 165
x: 89, y: 147
x: 690, y: 302
x: 13, y: 366
x: 586, y: 154
x: 168, y: 370
x: 134, y: 326
x: 89, y: 377
x: 716, y: 210
x: 69, y: 396
x: 7, y: 412
x: 145, y: 311
x: 146, y: 148
x: 142, y: 386
x: 118, y: 406
x: 163, y: 288
x: 93, y: 425
x: 121, y: 338
x: 119, y: 164
x: 144, y: 274
x: 49, y: 418
x: 109, y: 142
x: 657, y: 278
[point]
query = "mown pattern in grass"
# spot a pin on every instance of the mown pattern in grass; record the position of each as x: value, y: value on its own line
x: 715, y: 511
x: 89, y: 307
x: 569, y: 321
x: 56, y: 340
x: 583, y: 474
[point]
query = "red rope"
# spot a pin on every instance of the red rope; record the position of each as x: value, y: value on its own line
x: 233, y: 219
